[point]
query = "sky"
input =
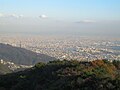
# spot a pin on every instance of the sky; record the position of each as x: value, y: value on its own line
x: 85, y: 17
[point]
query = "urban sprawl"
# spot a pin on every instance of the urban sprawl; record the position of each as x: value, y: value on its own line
x: 68, y: 47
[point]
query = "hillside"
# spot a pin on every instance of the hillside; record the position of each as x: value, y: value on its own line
x: 4, y: 69
x: 10, y: 67
x: 21, y: 56
x: 65, y: 75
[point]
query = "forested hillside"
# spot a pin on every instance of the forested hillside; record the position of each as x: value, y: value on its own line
x: 65, y: 75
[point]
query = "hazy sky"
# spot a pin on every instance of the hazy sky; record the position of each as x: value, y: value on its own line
x: 61, y: 16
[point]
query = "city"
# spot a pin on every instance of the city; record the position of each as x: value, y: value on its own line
x: 68, y: 47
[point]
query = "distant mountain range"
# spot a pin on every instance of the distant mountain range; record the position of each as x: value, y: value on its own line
x: 22, y: 56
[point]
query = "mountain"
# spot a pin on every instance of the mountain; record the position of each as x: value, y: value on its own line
x: 22, y: 56
x: 65, y: 75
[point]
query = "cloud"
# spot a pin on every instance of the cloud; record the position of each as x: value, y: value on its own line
x: 86, y: 21
x: 15, y: 16
x: 10, y: 16
x: 43, y: 16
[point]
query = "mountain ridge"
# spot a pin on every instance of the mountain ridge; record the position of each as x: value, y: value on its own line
x: 22, y: 56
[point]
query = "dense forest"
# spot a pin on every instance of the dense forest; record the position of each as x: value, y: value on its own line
x: 65, y: 75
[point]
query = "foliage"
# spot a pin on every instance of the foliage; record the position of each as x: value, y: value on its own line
x: 4, y: 69
x: 40, y: 65
x: 65, y: 75
x: 116, y: 64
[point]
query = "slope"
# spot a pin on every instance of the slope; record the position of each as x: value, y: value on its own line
x: 65, y: 75
x: 21, y: 56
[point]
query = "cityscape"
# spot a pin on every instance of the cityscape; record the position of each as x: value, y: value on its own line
x: 79, y: 48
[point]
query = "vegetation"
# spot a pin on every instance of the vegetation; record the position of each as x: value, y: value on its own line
x: 4, y: 69
x: 65, y: 75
